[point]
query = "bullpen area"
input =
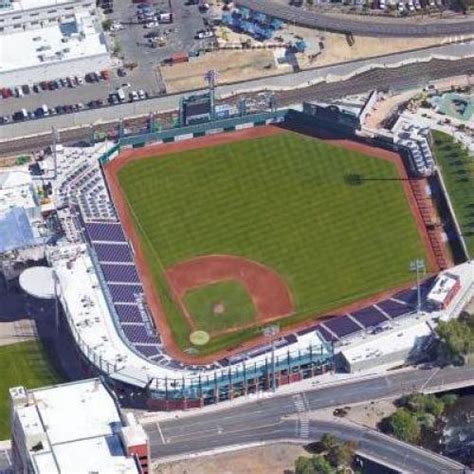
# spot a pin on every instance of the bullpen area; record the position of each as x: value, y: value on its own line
x: 236, y: 233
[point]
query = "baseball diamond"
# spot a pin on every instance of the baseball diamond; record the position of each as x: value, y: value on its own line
x: 264, y: 226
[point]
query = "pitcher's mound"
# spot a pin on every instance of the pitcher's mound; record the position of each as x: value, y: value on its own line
x: 218, y: 309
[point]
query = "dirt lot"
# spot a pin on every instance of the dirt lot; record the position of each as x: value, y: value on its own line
x: 370, y: 414
x: 272, y: 459
x: 336, y: 48
x: 231, y: 66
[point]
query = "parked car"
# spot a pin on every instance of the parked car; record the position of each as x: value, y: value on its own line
x: 142, y: 94
x: 121, y: 71
x: 152, y: 24
x: 6, y: 92
x: 36, y: 88
x: 21, y: 115
x: 134, y: 96
x: 26, y: 89
x: 204, y: 34
x: 116, y: 26
x: 5, y: 119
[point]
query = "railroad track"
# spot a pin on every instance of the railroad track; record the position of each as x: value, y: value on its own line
x: 403, y: 77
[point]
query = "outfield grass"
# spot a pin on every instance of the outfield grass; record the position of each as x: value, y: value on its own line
x: 457, y: 168
x: 237, y: 307
x: 287, y: 201
x: 23, y: 363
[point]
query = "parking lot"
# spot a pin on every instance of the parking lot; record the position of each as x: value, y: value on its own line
x: 135, y: 46
x: 136, y: 57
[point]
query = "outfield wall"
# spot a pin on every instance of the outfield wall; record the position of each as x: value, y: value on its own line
x: 194, y: 131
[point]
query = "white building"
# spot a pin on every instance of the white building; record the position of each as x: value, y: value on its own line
x: 74, y: 428
x: 20, y: 15
x: 52, y: 38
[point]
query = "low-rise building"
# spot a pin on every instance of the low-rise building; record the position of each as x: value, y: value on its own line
x: 74, y: 428
x: 57, y: 38
x: 445, y: 288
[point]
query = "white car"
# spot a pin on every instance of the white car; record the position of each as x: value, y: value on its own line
x: 205, y: 34
x: 142, y: 94
x: 134, y: 96
x: 401, y: 7
x: 152, y: 24
x: 411, y: 7
x: 116, y: 26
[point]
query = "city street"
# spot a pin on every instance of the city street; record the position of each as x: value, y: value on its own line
x: 267, y: 419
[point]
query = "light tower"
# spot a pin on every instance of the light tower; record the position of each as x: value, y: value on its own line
x: 211, y: 78
x: 418, y: 266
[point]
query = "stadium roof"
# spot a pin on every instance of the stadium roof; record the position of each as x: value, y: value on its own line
x: 16, y: 231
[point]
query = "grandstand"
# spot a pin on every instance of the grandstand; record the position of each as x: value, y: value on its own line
x: 102, y: 296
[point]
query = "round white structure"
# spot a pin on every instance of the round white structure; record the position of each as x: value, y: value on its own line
x: 38, y: 282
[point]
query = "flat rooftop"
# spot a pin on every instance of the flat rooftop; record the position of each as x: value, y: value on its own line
x: 25, y: 5
x: 78, y: 424
x: 400, y: 339
x: 75, y: 39
x: 442, y: 287
x: 16, y: 190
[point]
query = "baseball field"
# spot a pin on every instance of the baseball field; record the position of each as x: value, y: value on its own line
x: 280, y: 228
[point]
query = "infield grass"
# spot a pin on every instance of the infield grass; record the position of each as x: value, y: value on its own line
x: 220, y: 306
x: 23, y: 363
x: 288, y: 201
x: 457, y: 168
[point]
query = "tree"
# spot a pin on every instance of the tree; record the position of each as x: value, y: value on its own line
x: 404, y: 426
x: 421, y: 403
x: 449, y: 399
x: 106, y: 24
x: 313, y: 465
x: 342, y: 454
x: 328, y: 441
x: 457, y: 337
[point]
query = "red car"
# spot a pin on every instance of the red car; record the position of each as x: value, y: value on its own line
x: 6, y: 92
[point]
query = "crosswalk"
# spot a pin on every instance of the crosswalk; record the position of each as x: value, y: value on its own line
x: 303, y: 417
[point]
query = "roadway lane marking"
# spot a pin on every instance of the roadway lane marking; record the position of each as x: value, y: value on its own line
x: 301, y: 404
x: 161, y: 433
x: 428, y: 380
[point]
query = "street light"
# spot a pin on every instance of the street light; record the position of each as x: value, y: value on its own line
x: 417, y: 266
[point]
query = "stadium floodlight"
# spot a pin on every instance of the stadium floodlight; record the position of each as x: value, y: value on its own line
x: 417, y: 266
x: 271, y: 331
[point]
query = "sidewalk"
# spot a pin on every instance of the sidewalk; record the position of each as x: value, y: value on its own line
x: 321, y: 381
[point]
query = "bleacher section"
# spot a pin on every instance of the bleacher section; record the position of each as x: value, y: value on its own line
x: 115, y: 259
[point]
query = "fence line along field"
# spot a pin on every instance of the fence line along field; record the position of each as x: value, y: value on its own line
x: 331, y: 224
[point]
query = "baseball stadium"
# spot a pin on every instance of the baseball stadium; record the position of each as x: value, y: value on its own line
x: 224, y: 258
x: 264, y: 227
